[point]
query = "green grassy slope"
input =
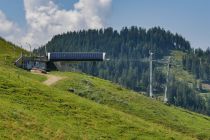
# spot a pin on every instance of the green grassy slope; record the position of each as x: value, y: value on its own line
x: 31, y: 110
x: 178, y: 70
x: 114, y: 96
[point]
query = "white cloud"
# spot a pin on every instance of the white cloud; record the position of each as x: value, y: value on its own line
x: 8, y: 29
x: 46, y: 19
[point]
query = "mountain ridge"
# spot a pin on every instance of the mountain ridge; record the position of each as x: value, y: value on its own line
x: 128, y: 49
x: 30, y: 109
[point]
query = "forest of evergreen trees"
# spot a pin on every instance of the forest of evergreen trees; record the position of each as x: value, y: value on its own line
x: 197, y: 62
x: 126, y: 49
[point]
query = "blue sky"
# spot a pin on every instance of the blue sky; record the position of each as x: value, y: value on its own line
x: 190, y: 18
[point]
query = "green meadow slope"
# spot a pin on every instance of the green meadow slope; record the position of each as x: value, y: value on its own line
x: 94, y: 109
x: 107, y: 93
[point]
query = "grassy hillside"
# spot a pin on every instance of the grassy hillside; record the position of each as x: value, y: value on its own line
x: 103, y: 110
x: 106, y: 93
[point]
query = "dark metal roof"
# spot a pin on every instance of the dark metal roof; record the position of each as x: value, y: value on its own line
x: 76, y: 56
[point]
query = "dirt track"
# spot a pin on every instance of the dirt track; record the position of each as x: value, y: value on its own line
x: 52, y: 79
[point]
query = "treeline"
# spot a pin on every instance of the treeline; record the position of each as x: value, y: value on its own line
x: 198, y: 63
x: 128, y: 43
x: 127, y: 50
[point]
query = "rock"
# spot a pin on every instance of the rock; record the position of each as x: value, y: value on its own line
x: 71, y: 90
